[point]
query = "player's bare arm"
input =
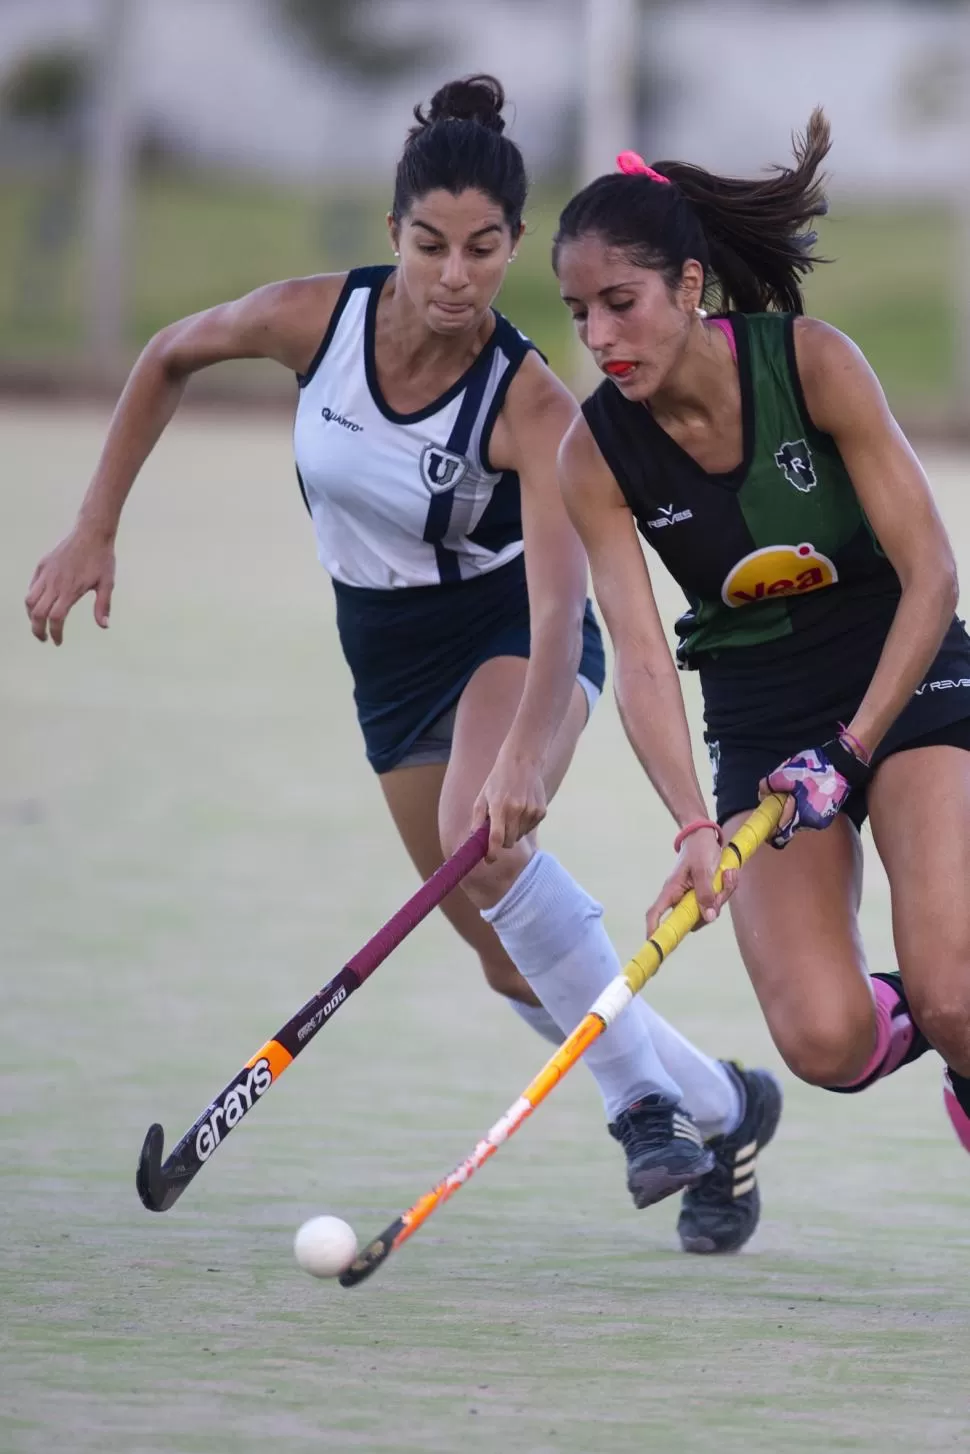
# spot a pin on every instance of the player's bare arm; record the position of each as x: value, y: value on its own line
x: 281, y: 321
x: 846, y: 400
x: 648, y: 692
x: 537, y: 412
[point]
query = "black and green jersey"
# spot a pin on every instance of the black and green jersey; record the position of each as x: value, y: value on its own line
x: 778, y: 547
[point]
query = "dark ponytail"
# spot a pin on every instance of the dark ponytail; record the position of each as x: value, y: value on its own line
x: 752, y: 237
x: 459, y: 145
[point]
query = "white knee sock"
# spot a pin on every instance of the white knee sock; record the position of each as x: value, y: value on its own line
x: 708, y: 1091
x: 538, y: 1018
x: 553, y: 932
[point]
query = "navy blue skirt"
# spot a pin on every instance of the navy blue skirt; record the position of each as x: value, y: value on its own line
x: 413, y: 651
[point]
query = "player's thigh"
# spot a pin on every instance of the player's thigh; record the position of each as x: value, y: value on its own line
x: 412, y: 795
x: 919, y: 808
x: 485, y: 714
x: 795, y: 918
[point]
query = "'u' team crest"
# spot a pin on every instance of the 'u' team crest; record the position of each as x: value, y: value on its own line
x: 778, y: 570
x: 441, y: 469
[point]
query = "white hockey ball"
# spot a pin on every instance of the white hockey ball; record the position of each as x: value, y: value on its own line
x: 325, y: 1246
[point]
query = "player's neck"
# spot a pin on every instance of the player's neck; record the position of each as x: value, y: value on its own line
x: 404, y: 337
x: 702, y: 386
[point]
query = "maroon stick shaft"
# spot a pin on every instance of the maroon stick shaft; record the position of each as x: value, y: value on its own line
x: 419, y: 906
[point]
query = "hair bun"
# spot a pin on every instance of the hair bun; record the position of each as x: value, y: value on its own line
x: 474, y: 98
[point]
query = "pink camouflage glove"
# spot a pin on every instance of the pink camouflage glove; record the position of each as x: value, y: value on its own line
x: 819, y: 780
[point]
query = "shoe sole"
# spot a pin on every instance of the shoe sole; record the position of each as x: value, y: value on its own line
x: 654, y: 1183
x: 706, y: 1245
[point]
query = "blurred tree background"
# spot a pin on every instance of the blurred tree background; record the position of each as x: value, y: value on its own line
x: 196, y: 233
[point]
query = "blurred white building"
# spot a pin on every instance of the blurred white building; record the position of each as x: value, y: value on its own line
x: 225, y: 81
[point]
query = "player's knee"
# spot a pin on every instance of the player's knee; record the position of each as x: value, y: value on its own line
x: 943, y: 1015
x: 453, y: 832
x: 828, y: 1051
x: 487, y: 883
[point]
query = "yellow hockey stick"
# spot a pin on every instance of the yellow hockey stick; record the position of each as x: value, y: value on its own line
x: 684, y: 916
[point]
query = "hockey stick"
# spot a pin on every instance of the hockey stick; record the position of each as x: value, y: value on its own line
x: 614, y: 999
x: 160, y: 1186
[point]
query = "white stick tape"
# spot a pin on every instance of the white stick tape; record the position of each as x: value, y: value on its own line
x: 613, y: 1001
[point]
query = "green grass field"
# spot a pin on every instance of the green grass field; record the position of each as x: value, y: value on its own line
x: 191, y: 844
x: 198, y: 239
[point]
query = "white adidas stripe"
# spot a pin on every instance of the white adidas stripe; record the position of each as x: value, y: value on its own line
x: 744, y: 1169
x: 686, y: 1129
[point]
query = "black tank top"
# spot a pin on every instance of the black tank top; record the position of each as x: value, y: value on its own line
x: 778, y: 547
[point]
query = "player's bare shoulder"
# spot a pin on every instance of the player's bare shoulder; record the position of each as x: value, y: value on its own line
x: 293, y: 316
x: 537, y: 412
x: 837, y: 380
x: 819, y: 345
x: 282, y: 321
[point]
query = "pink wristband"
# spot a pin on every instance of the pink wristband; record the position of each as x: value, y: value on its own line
x: 861, y: 752
x: 696, y: 827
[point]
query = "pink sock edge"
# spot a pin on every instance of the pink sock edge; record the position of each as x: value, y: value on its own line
x: 893, y: 1036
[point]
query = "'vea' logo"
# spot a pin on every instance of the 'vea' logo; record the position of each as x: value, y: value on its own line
x: 794, y: 459
x: 440, y: 469
x: 778, y: 570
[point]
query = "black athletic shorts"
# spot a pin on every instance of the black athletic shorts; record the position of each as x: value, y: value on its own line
x: 413, y: 651
x: 763, y: 705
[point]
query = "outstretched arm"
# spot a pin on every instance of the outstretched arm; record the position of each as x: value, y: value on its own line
x: 527, y: 435
x: 283, y: 321
x: 647, y: 690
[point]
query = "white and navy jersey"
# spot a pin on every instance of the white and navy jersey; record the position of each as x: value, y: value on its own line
x: 404, y: 499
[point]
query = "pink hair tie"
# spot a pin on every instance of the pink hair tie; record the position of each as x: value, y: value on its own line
x: 634, y: 166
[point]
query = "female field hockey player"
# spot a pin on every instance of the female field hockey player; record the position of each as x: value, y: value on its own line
x: 426, y: 437
x: 757, y: 456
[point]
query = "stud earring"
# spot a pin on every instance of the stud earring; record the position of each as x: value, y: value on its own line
x: 701, y: 313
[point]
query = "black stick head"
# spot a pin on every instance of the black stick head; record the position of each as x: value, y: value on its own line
x: 149, y: 1179
x: 370, y: 1259
x: 161, y: 1184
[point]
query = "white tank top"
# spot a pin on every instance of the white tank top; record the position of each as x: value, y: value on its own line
x: 404, y: 499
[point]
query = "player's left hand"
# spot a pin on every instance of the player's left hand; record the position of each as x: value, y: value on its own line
x: 697, y: 863
x: 513, y: 798
x: 817, y: 781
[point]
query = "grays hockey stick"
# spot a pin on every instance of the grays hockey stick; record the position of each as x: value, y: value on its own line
x: 161, y: 1184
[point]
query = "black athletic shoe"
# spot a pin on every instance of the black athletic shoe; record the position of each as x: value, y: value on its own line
x: 722, y: 1212
x: 664, y: 1149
